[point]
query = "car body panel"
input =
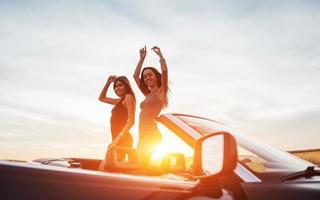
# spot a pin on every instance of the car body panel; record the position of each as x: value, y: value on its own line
x: 34, y: 181
x: 292, y: 190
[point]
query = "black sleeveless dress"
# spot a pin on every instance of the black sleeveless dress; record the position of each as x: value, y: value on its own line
x: 119, y: 117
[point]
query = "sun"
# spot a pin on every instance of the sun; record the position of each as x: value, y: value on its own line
x: 171, y: 143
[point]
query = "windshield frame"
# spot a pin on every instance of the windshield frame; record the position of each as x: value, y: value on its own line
x: 286, y: 162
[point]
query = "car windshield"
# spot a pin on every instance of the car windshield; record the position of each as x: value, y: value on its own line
x: 258, y: 157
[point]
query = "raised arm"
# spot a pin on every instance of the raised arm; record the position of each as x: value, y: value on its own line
x: 164, y: 73
x: 143, y: 53
x: 103, y: 95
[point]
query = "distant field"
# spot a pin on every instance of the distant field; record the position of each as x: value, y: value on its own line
x: 311, y: 155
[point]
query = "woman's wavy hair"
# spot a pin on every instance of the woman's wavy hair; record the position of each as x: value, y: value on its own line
x: 126, y: 82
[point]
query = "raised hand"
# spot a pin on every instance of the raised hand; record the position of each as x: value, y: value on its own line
x: 143, y: 52
x: 111, y: 78
x: 157, y: 51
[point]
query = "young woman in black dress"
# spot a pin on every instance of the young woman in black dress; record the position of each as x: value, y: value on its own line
x: 122, y: 115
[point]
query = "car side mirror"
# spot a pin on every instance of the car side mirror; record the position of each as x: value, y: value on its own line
x: 215, y: 154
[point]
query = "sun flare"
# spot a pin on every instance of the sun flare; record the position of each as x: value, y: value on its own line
x: 171, y: 143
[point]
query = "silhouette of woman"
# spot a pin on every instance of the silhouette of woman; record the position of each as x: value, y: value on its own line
x: 154, y: 86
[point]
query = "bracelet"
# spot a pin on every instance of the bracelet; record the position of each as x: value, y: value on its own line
x: 162, y: 60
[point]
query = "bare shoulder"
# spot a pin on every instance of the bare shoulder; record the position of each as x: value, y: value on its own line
x: 128, y: 99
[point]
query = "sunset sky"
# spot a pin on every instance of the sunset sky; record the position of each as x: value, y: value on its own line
x: 254, y: 65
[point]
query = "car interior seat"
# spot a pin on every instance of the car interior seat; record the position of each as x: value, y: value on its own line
x: 174, y: 163
x: 125, y: 159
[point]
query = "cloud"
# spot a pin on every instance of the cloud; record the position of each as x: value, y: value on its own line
x: 244, y: 63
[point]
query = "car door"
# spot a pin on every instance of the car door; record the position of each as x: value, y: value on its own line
x: 21, y: 181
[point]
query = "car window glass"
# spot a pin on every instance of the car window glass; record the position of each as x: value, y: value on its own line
x: 251, y: 160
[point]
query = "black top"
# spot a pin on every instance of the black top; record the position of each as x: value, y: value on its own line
x: 119, y: 117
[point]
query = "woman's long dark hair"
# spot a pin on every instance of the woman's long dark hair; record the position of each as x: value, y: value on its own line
x: 126, y: 82
x: 143, y: 86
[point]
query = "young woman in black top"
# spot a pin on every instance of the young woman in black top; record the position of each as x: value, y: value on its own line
x: 122, y: 115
